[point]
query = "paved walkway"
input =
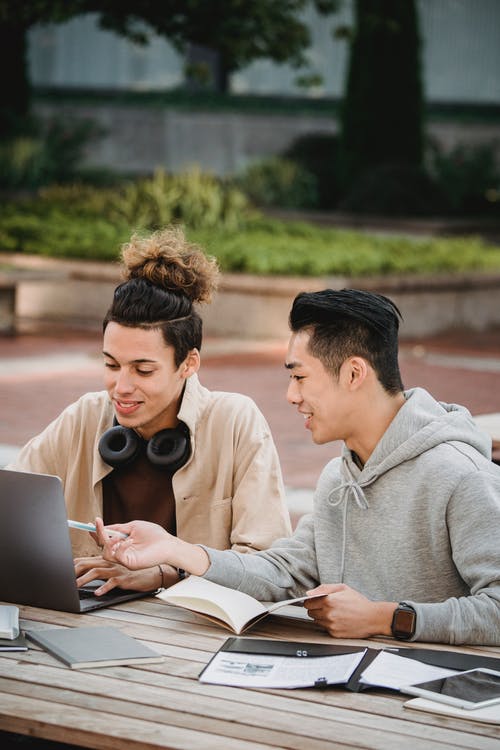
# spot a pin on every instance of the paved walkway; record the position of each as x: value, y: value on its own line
x: 41, y: 374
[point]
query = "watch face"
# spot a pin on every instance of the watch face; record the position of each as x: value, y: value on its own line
x: 404, y: 622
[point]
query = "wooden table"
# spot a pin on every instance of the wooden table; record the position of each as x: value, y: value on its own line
x: 164, y: 705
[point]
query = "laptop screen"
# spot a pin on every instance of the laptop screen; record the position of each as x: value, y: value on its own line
x: 36, y: 558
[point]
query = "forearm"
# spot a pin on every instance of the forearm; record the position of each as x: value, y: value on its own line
x: 468, y: 619
x: 287, y: 569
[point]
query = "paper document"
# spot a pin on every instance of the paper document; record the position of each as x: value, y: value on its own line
x: 263, y: 670
x: 392, y: 671
x: 488, y: 714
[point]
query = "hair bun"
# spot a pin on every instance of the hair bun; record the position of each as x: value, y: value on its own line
x: 166, y: 259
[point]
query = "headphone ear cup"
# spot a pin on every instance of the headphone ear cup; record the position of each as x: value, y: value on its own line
x: 169, y: 448
x: 119, y: 446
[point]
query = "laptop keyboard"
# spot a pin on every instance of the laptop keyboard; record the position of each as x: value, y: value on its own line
x: 86, y: 594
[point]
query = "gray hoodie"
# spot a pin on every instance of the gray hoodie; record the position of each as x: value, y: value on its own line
x: 419, y: 523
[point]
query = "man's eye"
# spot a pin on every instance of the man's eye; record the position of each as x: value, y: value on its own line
x: 145, y: 372
x: 110, y: 366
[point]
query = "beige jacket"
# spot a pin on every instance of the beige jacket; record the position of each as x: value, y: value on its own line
x: 229, y: 494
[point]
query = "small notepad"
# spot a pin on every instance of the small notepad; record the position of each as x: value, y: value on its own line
x: 83, y: 648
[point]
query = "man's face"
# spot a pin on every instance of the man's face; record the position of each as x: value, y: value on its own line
x: 141, y: 378
x: 318, y: 395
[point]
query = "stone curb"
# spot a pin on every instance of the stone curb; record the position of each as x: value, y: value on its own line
x: 56, y: 292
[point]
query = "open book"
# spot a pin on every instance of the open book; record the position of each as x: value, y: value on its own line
x: 227, y: 607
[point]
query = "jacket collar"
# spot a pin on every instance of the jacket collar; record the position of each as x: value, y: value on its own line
x: 194, y: 402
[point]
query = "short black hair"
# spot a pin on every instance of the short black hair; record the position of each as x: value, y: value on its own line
x: 351, y: 322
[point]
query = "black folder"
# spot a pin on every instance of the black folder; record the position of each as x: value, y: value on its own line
x: 301, y: 650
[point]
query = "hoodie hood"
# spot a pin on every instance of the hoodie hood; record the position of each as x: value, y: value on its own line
x: 421, y: 424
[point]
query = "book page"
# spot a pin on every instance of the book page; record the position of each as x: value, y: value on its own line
x: 261, y: 671
x: 221, y: 603
x: 288, y: 602
x: 199, y: 595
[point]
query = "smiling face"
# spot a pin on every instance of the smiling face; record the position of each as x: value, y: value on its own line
x: 324, y: 400
x: 141, y: 378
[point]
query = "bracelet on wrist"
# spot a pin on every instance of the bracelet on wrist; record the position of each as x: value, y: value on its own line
x: 181, y: 573
x: 162, y: 584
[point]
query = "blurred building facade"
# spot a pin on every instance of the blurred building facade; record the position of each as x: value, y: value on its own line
x: 460, y: 64
x: 461, y: 56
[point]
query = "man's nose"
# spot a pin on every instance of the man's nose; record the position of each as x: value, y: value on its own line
x: 123, y: 382
x: 292, y: 393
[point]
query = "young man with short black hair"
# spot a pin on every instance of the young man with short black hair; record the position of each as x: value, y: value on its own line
x: 403, y: 538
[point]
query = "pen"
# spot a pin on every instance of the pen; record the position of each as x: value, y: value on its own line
x: 91, y: 527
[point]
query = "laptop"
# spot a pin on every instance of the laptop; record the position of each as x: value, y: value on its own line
x: 36, y: 559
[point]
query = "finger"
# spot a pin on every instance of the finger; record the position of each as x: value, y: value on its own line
x: 88, y: 577
x: 314, y: 604
x: 108, y: 585
x: 116, y: 551
x: 94, y: 573
x: 102, y: 537
x: 81, y: 566
x: 322, y: 622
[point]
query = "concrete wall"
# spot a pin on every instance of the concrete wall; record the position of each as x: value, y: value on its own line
x: 139, y: 140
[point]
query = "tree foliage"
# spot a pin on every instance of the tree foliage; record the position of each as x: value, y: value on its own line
x: 237, y: 30
x: 382, y: 111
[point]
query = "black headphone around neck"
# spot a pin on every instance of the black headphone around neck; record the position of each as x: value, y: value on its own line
x: 120, y: 446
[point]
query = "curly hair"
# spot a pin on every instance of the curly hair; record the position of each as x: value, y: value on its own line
x: 169, y: 261
x: 164, y: 276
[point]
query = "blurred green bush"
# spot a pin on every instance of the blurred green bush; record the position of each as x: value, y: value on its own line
x: 468, y: 176
x: 279, y: 182
x: 52, y: 153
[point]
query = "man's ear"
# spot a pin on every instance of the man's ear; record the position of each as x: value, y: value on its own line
x: 355, y: 372
x: 191, y: 364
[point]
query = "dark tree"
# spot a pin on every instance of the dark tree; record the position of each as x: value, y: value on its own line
x: 235, y: 31
x: 382, y: 110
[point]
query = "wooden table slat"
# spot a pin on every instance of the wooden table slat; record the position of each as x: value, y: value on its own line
x: 164, y: 704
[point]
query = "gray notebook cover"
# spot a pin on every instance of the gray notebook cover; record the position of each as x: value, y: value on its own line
x: 82, y: 648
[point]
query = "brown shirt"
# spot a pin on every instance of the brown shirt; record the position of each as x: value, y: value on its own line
x: 140, y: 491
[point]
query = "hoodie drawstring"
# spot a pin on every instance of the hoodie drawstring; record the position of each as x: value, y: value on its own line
x: 348, y: 488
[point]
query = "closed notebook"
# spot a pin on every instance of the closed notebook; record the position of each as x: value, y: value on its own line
x: 14, y: 644
x: 82, y: 648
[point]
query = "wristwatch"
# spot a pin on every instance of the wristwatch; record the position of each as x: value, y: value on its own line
x: 404, y: 622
